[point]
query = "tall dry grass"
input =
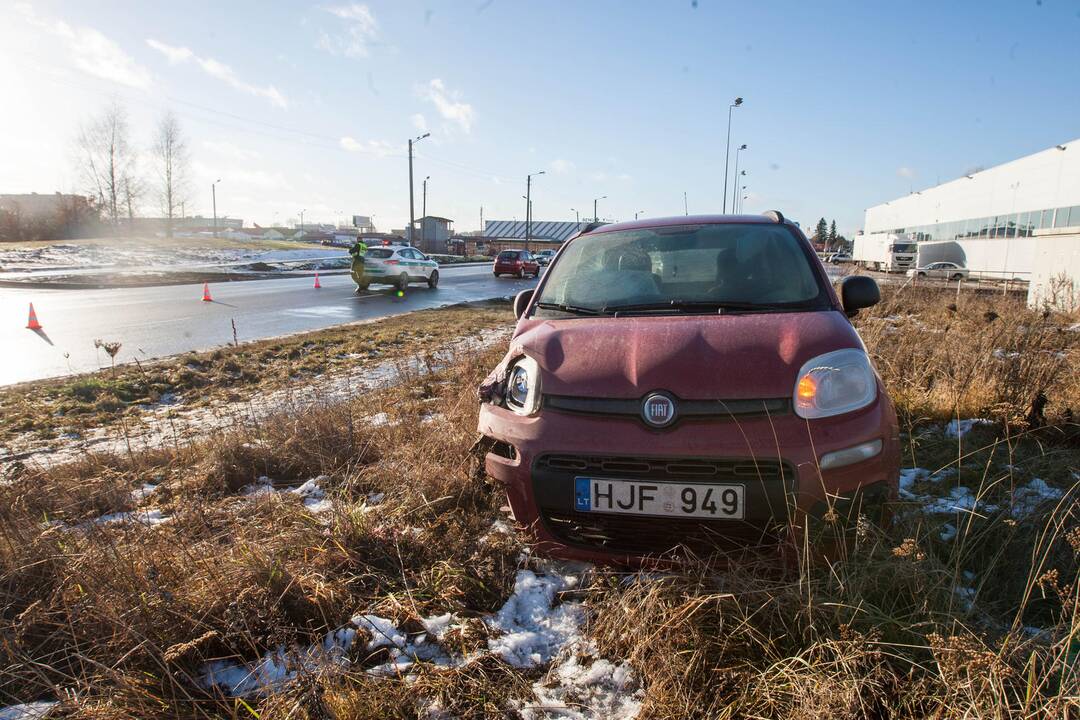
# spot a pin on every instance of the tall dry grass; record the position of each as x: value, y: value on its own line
x: 116, y: 620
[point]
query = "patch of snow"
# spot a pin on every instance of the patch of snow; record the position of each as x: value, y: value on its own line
x: 948, y: 532
x: 966, y: 597
x: 959, y: 499
x: 314, y: 495
x: 28, y: 711
x: 1027, y: 498
x: 533, y: 628
x: 578, y: 690
x: 148, y: 516
x: 960, y: 428
x: 438, y: 624
x: 378, y: 419
x: 140, y: 494
x: 1002, y: 354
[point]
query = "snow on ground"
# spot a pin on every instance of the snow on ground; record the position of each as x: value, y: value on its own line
x: 174, y: 423
x: 577, y: 690
x: 532, y: 629
x: 144, y: 516
x: 312, y: 492
x: 28, y: 711
x: 960, y: 428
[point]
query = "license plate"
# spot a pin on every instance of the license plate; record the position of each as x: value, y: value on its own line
x: 636, y: 497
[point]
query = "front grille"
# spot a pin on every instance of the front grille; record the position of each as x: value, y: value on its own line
x: 768, y: 487
x: 686, y: 409
x: 665, y: 468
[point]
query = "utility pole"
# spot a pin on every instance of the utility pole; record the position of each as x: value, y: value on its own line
x: 423, y: 213
x: 412, y: 216
x: 727, y: 155
x: 528, y: 206
x: 685, y: 207
x: 481, y: 219
x: 735, y: 190
x: 302, y: 223
x: 213, y: 201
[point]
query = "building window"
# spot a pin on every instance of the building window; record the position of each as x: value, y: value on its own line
x: 1061, y: 219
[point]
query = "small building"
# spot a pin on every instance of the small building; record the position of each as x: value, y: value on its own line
x: 558, y: 230
x: 492, y: 246
x: 432, y: 233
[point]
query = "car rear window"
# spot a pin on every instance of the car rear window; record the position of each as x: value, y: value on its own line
x: 745, y: 263
x: 508, y: 255
x: 379, y: 253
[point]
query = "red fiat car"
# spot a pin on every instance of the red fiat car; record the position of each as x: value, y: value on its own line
x: 688, y: 382
x: 516, y: 262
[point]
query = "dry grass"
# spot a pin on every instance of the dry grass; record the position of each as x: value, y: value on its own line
x: 117, y: 619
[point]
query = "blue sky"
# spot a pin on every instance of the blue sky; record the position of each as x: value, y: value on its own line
x: 299, y: 106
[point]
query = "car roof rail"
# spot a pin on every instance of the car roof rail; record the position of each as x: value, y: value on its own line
x: 590, y: 227
x: 775, y: 215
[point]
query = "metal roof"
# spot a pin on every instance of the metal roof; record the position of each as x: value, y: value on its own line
x: 541, y: 229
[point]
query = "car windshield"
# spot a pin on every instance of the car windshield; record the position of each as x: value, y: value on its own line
x: 379, y: 253
x: 904, y: 247
x: 742, y: 266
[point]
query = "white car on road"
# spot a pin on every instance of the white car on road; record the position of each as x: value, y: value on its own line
x: 941, y: 270
x: 396, y: 265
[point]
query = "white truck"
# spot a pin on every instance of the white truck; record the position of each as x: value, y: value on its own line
x: 885, y: 251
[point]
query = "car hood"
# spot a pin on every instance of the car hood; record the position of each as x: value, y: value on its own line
x: 726, y: 357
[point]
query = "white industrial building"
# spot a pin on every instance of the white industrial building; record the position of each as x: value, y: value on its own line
x: 1001, y: 222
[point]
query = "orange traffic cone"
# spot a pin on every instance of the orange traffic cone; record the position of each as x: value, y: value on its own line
x: 206, y: 293
x: 32, y: 323
x: 317, y: 283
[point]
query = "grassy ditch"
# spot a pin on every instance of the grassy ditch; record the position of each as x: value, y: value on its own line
x: 48, y: 409
x: 952, y: 614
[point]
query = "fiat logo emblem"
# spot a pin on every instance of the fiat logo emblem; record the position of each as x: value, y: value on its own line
x: 658, y: 410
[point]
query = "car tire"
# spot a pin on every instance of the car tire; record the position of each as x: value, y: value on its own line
x: 361, y: 289
x: 433, y: 279
x: 403, y: 282
x: 495, y: 274
x: 521, y: 273
x: 957, y: 276
x: 922, y: 274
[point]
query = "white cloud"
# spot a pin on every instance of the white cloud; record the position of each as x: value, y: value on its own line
x: 905, y: 172
x: 449, y: 104
x: 357, y: 34
x: 371, y: 147
x: 419, y: 122
x: 228, y: 150
x: 219, y: 70
x: 91, y: 51
x: 562, y: 166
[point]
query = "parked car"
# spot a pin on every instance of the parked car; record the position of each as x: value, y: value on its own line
x: 544, y: 257
x: 516, y: 262
x: 840, y: 257
x: 692, y: 382
x: 396, y: 265
x: 944, y: 270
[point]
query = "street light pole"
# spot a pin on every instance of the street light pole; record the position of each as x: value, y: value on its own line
x: 577, y: 215
x: 727, y: 154
x: 639, y: 211
x: 528, y: 206
x: 302, y: 223
x: 412, y: 216
x: 595, y: 216
x: 685, y: 207
x: 735, y: 190
x: 743, y: 195
x: 423, y: 212
x: 213, y: 200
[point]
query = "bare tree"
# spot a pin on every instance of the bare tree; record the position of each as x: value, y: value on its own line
x: 171, y: 158
x: 107, y: 163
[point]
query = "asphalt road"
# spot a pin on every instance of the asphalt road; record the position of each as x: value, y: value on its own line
x: 154, y: 322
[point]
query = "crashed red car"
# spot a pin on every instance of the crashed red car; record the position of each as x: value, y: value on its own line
x: 688, y: 382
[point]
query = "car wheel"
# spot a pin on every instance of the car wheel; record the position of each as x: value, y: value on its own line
x: 957, y: 276
x: 433, y: 279
x: 403, y: 282
x: 521, y: 273
x: 922, y: 274
x: 495, y: 274
x: 361, y: 289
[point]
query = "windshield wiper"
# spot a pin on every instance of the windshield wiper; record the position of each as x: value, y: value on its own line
x: 572, y: 309
x: 700, y: 306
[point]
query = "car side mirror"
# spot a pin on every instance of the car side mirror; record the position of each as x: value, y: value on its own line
x: 521, y: 302
x: 857, y: 292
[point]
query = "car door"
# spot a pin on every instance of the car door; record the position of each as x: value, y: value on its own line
x: 528, y: 263
x: 425, y: 265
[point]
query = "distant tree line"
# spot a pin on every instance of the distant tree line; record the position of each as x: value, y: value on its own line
x: 116, y: 178
x: 825, y: 234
